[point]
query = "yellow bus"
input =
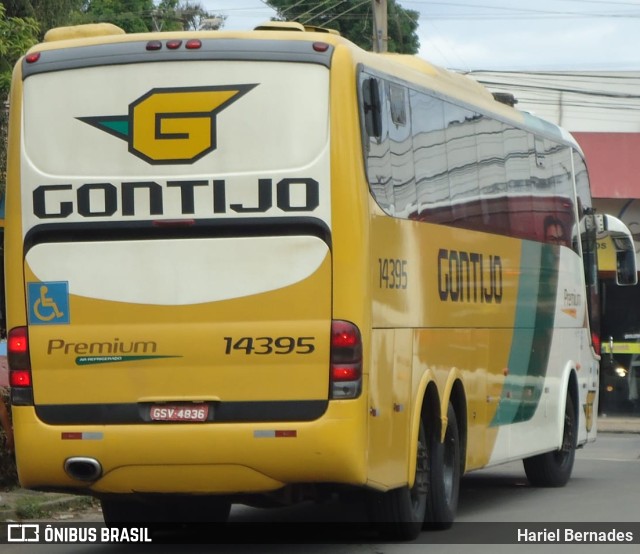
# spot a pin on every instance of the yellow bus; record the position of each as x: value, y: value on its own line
x: 257, y: 267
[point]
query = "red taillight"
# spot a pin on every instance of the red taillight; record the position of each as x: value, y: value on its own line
x: 344, y: 335
x: 19, y: 365
x: 596, y: 341
x: 17, y: 341
x: 346, y: 360
x: 341, y: 372
x: 20, y: 378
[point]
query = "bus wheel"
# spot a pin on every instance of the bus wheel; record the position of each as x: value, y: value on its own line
x: 400, y: 512
x: 553, y: 469
x: 444, y: 475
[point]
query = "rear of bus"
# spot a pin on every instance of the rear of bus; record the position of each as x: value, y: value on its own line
x: 173, y: 327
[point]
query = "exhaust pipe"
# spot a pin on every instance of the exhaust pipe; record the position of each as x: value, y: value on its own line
x: 83, y: 469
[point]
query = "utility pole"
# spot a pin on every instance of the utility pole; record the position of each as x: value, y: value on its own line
x: 380, y: 37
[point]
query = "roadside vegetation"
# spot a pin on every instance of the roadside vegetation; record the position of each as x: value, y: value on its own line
x: 8, y: 473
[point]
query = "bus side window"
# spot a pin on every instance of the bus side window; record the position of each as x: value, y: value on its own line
x: 430, y: 158
x: 403, y: 180
x: 376, y: 141
x: 461, y: 128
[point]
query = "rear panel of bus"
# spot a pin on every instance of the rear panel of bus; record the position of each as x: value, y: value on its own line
x: 176, y: 248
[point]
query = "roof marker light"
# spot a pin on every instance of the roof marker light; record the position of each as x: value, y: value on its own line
x: 320, y: 46
x: 193, y: 44
x: 174, y: 44
x: 33, y: 57
x: 154, y: 45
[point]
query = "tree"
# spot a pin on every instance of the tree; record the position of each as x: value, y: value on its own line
x: 131, y: 15
x: 354, y: 20
x: 140, y: 16
x: 173, y: 15
x: 48, y: 13
x: 134, y: 16
x: 17, y: 35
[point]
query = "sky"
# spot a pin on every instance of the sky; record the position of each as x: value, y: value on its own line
x: 502, y: 34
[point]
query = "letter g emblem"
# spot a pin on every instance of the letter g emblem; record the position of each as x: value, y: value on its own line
x: 178, y: 125
x: 171, y: 125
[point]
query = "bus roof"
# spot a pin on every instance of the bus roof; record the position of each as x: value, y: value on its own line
x: 404, y: 66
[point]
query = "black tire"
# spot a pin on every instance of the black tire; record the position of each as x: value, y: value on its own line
x: 444, y: 475
x: 399, y: 513
x: 553, y: 469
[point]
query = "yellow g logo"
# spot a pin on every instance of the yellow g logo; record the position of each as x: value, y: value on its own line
x: 171, y: 125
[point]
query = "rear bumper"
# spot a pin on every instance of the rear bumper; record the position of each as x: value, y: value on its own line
x: 196, y: 458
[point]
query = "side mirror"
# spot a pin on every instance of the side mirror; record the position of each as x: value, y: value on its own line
x: 372, y: 107
x: 626, y: 270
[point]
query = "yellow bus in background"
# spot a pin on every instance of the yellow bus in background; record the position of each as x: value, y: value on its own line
x: 252, y: 267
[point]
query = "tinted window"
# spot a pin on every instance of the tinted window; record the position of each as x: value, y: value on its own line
x: 492, y: 176
x: 519, y: 186
x: 401, y: 149
x: 430, y: 156
x: 462, y: 162
x: 378, y: 157
x: 443, y: 163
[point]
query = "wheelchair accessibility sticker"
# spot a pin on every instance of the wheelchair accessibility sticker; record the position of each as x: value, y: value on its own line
x: 48, y: 303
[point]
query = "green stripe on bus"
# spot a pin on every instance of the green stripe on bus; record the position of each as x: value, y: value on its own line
x: 533, y: 331
x: 89, y: 360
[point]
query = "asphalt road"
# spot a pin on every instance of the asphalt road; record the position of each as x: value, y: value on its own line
x: 494, y: 504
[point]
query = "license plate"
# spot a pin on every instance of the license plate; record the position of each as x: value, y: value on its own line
x: 169, y: 412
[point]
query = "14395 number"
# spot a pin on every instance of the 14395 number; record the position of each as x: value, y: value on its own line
x: 393, y: 273
x: 270, y: 345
